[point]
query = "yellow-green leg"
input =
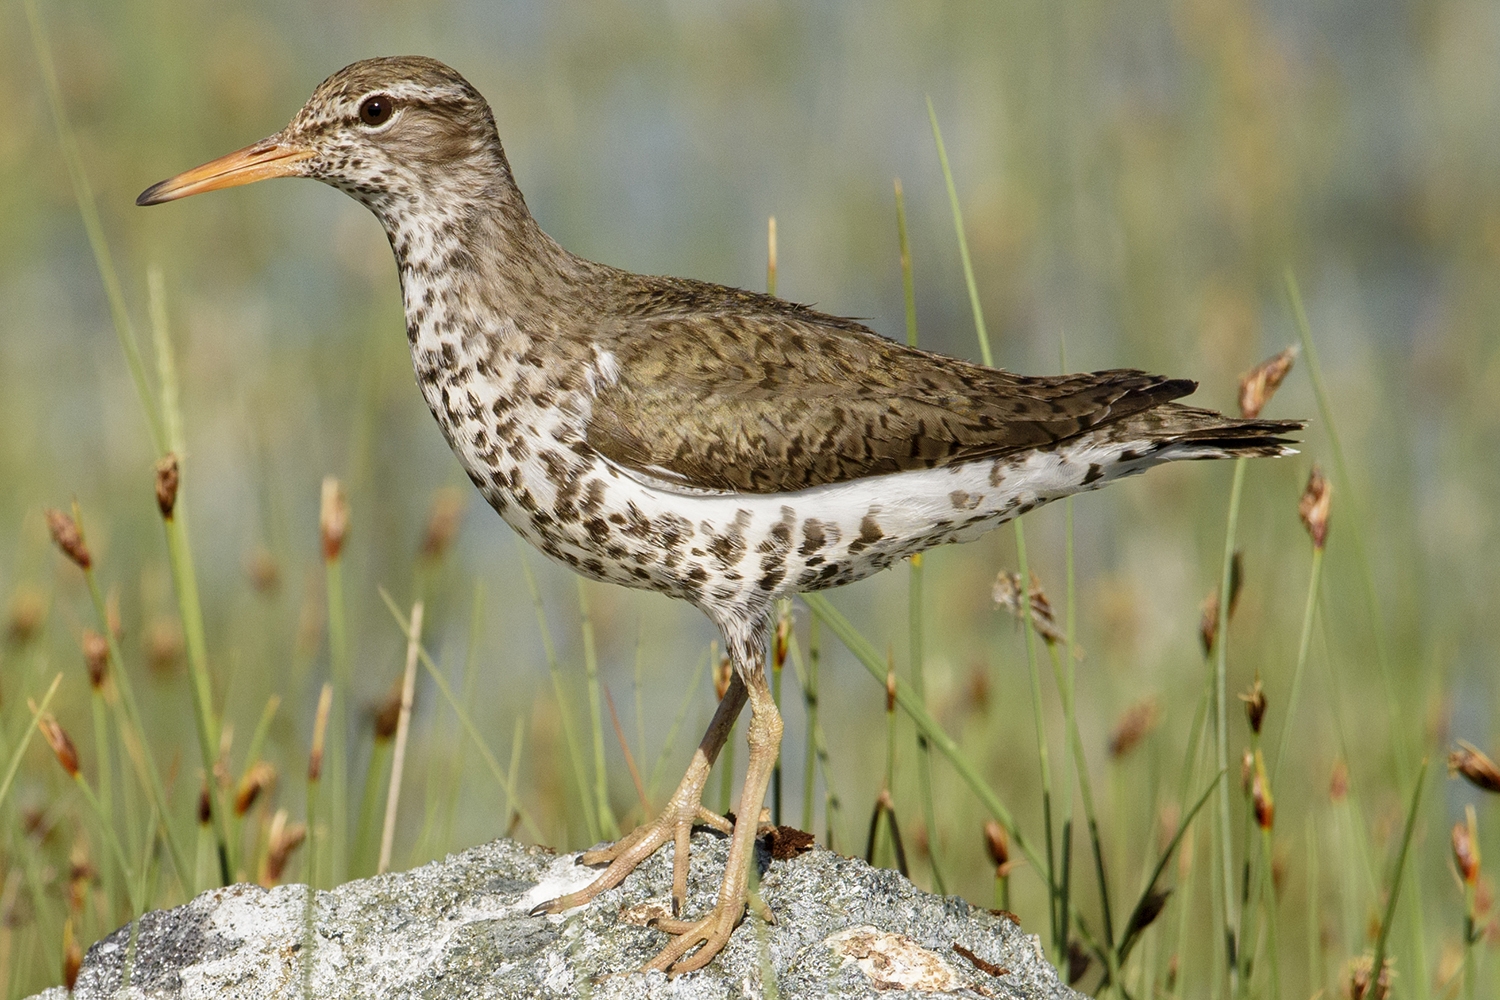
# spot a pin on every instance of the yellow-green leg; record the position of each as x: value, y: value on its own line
x: 675, y: 822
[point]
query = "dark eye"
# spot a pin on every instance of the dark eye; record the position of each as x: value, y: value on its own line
x: 375, y: 110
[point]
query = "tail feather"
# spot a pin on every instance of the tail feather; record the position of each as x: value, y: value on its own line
x: 1188, y: 432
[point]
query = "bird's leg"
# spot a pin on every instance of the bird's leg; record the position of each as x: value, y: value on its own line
x: 712, y: 932
x: 674, y: 823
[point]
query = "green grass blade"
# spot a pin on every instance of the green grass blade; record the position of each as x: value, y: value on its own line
x: 872, y: 661
x: 1356, y: 530
x: 463, y: 718
x: 1382, y: 942
x: 915, y: 602
x: 1135, y: 925
x: 83, y: 194
x: 20, y: 748
x: 963, y: 243
x: 564, y: 712
x: 671, y: 741
x: 1225, y: 852
x: 607, y: 825
x: 185, y: 577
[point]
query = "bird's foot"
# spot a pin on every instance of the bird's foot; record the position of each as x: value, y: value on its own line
x: 708, y: 936
x: 675, y: 825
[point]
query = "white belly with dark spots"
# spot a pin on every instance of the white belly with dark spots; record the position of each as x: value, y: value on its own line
x: 520, y: 435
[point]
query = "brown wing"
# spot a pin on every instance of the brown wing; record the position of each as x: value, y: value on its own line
x: 759, y: 396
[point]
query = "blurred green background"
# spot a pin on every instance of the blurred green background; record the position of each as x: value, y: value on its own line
x: 1136, y: 179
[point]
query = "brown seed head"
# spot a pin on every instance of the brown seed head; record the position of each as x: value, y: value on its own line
x: 28, y: 609
x: 333, y: 519
x: 164, y: 644
x: 95, y: 656
x: 258, y: 777
x: 890, y: 683
x: 205, y: 806
x: 72, y: 957
x: 284, y: 838
x: 783, y: 642
x: 1208, y: 626
x: 168, y: 477
x: 1260, y: 383
x: 320, y: 729
x: 1313, y: 508
x: 1260, y: 795
x: 997, y: 842
x: 264, y: 573
x: 1364, y: 985
x: 1078, y: 961
x: 1135, y: 724
x: 57, y: 739
x: 443, y: 519
x: 1151, y: 907
x: 388, y: 713
x: 722, y: 677
x: 68, y: 537
x: 977, y: 689
x: 1471, y: 762
x: 1255, y: 705
x: 1466, y: 846
x: 1338, y: 782
x: 1007, y: 593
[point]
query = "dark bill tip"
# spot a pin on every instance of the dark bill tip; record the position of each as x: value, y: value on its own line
x: 268, y: 158
x: 151, y: 196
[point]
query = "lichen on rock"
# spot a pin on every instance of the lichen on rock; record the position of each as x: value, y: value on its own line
x: 462, y: 928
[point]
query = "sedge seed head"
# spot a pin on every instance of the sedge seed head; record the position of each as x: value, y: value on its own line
x: 320, y: 730
x: 281, y: 841
x: 1260, y: 796
x: 443, y: 520
x: 68, y: 537
x: 57, y: 739
x: 1471, y: 762
x: 72, y: 956
x: 1135, y: 724
x: 1338, y: 782
x: 997, y: 843
x: 388, y: 714
x: 95, y: 656
x: 1363, y: 984
x: 333, y: 519
x: 1259, y: 384
x: 264, y: 572
x: 168, y: 478
x: 1255, y: 705
x: 258, y: 778
x: 28, y: 609
x: 1466, y: 846
x: 1008, y: 593
x: 1317, y: 498
x: 722, y: 677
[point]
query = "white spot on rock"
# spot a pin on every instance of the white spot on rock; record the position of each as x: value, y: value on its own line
x: 894, y: 962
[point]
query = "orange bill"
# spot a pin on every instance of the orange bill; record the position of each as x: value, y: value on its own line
x: 268, y: 158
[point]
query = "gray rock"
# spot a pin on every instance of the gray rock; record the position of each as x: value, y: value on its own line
x: 461, y: 928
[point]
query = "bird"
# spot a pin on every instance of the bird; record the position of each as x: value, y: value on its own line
x: 716, y: 445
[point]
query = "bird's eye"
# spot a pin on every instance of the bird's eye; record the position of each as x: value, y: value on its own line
x: 376, y: 110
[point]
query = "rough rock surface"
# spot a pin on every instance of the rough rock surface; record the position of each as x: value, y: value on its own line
x: 460, y: 928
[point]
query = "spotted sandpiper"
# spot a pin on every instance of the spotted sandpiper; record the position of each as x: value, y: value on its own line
x: 716, y: 445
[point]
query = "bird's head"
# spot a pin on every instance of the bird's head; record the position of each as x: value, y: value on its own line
x: 386, y: 131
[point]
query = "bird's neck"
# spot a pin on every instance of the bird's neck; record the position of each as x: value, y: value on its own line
x: 469, y: 253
